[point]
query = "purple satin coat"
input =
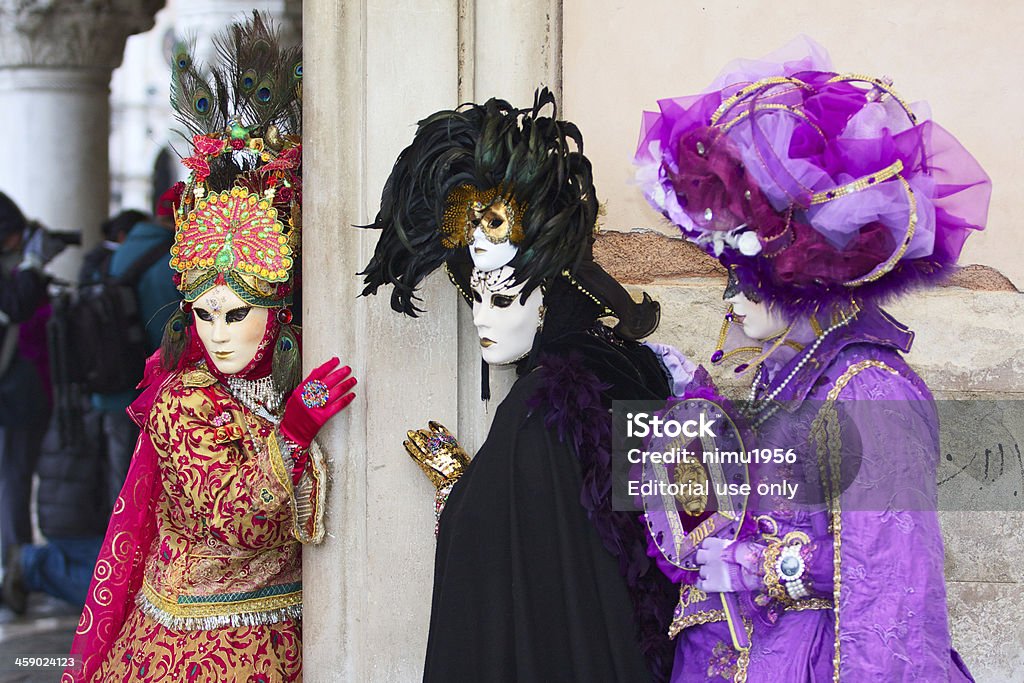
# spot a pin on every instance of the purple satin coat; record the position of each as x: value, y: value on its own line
x: 885, y: 559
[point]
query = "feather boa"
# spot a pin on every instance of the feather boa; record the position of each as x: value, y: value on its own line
x: 573, y: 401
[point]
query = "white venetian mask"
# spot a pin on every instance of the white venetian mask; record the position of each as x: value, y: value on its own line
x: 230, y: 329
x: 758, y: 321
x: 506, y: 327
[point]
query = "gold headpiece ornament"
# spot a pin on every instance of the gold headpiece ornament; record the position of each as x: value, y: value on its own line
x: 496, y: 212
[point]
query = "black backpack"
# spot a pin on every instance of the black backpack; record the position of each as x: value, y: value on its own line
x: 99, y: 336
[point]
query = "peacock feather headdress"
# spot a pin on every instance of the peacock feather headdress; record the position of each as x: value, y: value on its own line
x: 238, y: 217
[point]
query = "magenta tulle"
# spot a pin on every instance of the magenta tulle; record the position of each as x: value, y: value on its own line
x: 760, y: 174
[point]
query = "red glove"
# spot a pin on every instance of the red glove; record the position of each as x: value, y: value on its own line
x: 321, y: 396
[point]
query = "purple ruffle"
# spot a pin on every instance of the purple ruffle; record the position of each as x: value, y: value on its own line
x: 741, y: 186
x: 571, y: 399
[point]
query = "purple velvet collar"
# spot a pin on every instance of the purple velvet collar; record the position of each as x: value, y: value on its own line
x: 871, y: 326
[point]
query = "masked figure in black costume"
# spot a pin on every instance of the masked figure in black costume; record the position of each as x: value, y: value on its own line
x: 536, y: 577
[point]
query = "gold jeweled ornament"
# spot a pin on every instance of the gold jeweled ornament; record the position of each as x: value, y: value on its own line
x: 235, y: 236
x: 467, y: 208
x: 691, y: 478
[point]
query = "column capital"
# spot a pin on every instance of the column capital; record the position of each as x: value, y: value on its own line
x: 70, y: 33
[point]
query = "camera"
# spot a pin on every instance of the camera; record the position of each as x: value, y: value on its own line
x: 45, y: 244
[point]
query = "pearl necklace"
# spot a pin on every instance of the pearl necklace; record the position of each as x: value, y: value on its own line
x: 756, y: 408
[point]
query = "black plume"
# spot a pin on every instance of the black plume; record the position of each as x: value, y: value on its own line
x: 527, y: 152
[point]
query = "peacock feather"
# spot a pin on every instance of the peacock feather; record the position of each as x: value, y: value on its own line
x: 257, y: 84
x: 199, y: 103
x: 261, y: 77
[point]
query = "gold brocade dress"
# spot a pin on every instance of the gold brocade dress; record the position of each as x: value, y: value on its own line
x: 221, y: 596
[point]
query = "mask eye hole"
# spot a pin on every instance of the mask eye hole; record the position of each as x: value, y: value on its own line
x: 203, y: 314
x: 502, y: 300
x: 496, y: 223
x: 476, y: 297
x: 237, y: 315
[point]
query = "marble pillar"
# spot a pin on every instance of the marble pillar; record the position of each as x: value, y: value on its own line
x: 373, y: 69
x: 56, y: 58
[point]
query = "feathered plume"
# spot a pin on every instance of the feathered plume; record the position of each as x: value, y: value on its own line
x: 528, y: 152
x: 257, y: 86
x: 264, y: 78
x: 199, y: 103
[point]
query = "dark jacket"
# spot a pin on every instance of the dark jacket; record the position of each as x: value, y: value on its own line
x: 157, y: 294
x: 23, y: 357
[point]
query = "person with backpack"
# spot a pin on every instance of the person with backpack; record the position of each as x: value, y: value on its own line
x: 144, y: 249
x: 96, y: 263
x: 84, y: 460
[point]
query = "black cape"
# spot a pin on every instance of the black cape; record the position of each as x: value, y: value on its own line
x: 524, y: 590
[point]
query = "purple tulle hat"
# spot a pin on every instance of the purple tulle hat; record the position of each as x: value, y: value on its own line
x: 817, y: 189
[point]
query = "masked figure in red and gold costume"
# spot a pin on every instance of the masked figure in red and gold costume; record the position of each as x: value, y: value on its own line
x: 199, y: 578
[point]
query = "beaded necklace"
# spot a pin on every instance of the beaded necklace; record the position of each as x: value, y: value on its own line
x: 760, y: 409
x: 258, y: 395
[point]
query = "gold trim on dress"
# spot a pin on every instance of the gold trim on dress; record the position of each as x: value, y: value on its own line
x: 209, y: 615
x: 825, y: 432
x: 276, y: 457
x: 309, y: 498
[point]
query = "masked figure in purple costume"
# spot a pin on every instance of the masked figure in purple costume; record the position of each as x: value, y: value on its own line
x: 536, y: 577
x: 824, y: 195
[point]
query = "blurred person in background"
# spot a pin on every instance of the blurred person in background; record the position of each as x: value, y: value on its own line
x: 24, y: 376
x: 85, y: 455
x: 96, y: 263
x: 157, y: 299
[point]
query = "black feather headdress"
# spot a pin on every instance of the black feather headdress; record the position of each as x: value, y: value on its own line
x: 532, y: 157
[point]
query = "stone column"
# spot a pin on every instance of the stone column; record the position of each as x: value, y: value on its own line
x: 506, y: 50
x: 55, y: 64
x: 374, y: 70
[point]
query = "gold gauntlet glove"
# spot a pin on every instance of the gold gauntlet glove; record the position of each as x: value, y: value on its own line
x: 438, y: 454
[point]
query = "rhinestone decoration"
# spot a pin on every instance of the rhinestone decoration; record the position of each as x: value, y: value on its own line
x: 233, y: 230
x: 315, y: 394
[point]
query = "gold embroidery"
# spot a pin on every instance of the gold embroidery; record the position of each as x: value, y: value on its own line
x: 691, y: 597
x: 695, y: 619
x: 182, y: 614
x: 198, y: 378
x: 811, y: 603
x: 277, y: 462
x: 743, y: 663
x: 309, y: 498
x: 825, y: 432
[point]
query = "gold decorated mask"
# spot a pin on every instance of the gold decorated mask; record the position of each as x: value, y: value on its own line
x: 468, y: 208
